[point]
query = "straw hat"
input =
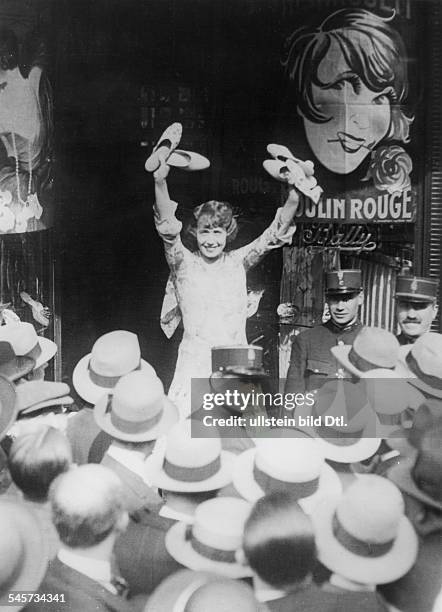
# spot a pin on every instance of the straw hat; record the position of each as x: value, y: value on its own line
x: 289, y: 464
x: 177, y: 590
x: 372, y: 348
x: 190, y: 463
x: 138, y: 410
x: 394, y: 402
x: 365, y: 536
x: 210, y: 544
x: 424, y: 360
x: 23, y: 555
x: 26, y: 343
x: 113, y: 355
x: 355, y: 441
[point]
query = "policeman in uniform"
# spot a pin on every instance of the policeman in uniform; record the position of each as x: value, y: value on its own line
x: 311, y: 362
x: 416, y: 306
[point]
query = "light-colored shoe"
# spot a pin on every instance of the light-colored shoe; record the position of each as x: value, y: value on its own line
x: 168, y: 142
x: 282, y: 153
x: 188, y: 160
x: 292, y: 173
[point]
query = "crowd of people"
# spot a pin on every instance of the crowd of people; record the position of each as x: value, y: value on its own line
x: 122, y: 503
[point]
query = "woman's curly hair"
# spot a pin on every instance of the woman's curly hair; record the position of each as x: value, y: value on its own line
x: 214, y: 214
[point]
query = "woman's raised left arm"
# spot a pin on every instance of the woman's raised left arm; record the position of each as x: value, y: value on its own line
x: 279, y: 233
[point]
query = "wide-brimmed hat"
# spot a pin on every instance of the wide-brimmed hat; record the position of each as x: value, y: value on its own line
x: 211, y: 543
x: 8, y: 406
x: 23, y: 554
x: 138, y: 410
x: 421, y: 476
x: 416, y: 289
x: 26, y: 343
x: 289, y: 464
x: 11, y: 366
x: 372, y: 348
x: 393, y: 400
x: 365, y: 536
x: 190, y: 463
x: 424, y: 360
x: 113, y: 355
x: 175, y: 592
x: 357, y: 438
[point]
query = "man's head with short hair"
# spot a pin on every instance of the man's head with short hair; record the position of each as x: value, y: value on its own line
x: 279, y: 541
x: 87, y: 506
x: 36, y: 458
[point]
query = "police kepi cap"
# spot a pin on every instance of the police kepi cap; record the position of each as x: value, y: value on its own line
x: 343, y: 281
x: 416, y: 288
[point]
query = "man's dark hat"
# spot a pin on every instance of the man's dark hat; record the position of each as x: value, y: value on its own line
x: 340, y: 282
x: 241, y: 360
x: 416, y: 289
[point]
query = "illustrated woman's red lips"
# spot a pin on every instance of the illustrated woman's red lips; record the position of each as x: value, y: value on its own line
x: 350, y: 143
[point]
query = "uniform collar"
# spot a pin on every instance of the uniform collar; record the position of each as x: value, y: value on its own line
x: 339, y: 329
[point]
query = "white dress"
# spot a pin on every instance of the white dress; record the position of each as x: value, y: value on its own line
x: 211, y: 298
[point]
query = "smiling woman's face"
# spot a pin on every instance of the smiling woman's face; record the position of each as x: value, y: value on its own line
x: 359, y: 117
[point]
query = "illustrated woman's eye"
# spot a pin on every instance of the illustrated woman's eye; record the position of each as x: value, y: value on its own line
x: 338, y: 86
x: 382, y: 99
x: 352, y: 79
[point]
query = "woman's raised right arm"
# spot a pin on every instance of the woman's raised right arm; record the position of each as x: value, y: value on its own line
x: 163, y: 209
x: 167, y: 225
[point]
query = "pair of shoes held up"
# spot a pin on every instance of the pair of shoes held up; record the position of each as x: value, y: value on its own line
x: 285, y: 167
x: 166, y: 149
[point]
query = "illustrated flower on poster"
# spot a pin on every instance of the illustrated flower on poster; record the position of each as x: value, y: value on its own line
x: 390, y: 168
x: 7, y: 218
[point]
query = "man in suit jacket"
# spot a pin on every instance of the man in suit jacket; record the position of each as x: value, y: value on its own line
x: 141, y: 553
x: 176, y: 469
x: 420, y: 480
x: 84, y: 435
x: 88, y: 513
x: 126, y: 460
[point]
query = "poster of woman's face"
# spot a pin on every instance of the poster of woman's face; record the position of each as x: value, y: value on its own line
x: 350, y: 82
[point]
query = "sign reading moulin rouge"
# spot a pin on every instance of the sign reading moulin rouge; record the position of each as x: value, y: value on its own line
x: 397, y: 207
